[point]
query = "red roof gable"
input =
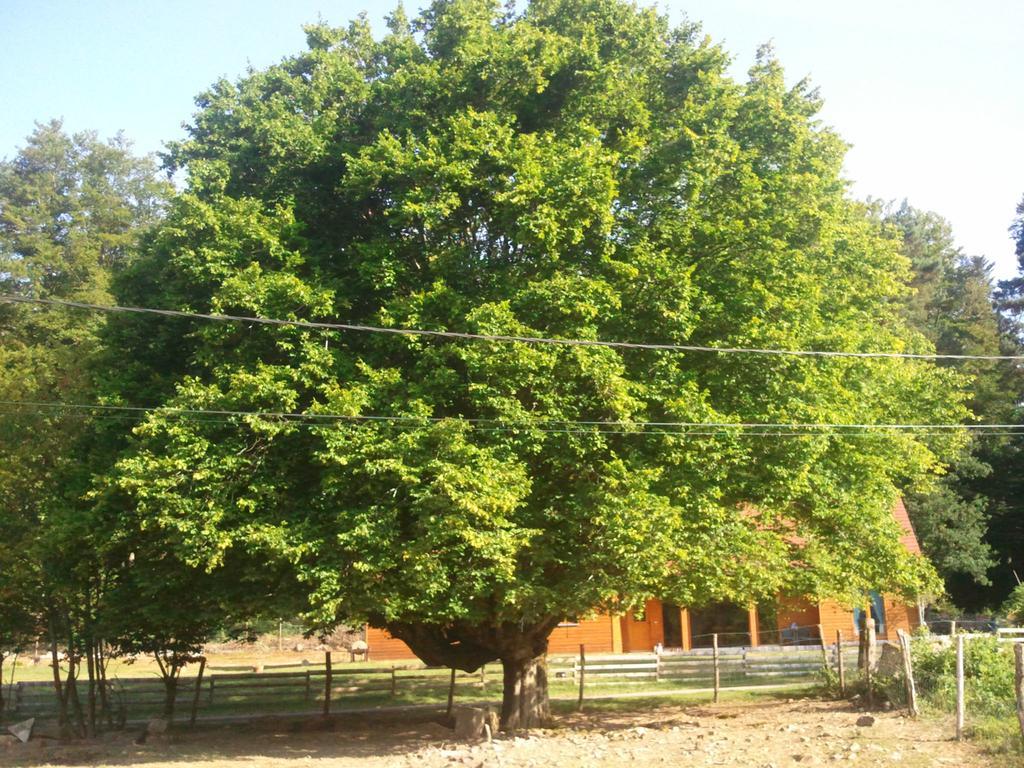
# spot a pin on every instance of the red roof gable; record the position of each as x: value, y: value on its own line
x: 909, y: 538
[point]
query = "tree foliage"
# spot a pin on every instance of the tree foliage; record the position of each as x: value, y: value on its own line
x: 577, y: 170
x: 72, y: 212
x: 965, y: 522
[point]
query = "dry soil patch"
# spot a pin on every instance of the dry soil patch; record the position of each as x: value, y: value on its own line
x: 752, y: 735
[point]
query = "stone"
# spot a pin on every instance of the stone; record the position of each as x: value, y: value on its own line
x: 48, y: 729
x: 889, y: 661
x: 865, y: 721
x: 470, y: 722
x: 157, y: 726
x: 23, y: 730
x: 492, y: 722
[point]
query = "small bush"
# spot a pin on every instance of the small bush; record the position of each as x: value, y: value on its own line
x: 1014, y: 605
x: 988, y: 669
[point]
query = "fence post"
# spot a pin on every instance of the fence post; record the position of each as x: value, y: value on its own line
x: 210, y: 697
x: 199, y: 687
x: 867, y: 656
x: 1018, y: 683
x: 959, y: 687
x: 394, y: 682
x: 583, y: 674
x: 483, y: 677
x: 657, y: 665
x: 824, y: 648
x: 840, y: 663
x: 908, y: 671
x: 714, y: 655
x: 328, y: 684
x: 309, y: 692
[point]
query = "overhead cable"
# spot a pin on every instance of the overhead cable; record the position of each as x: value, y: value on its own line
x: 416, y: 420
x: 317, y: 325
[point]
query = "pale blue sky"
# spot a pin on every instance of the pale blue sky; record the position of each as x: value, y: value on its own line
x: 928, y: 92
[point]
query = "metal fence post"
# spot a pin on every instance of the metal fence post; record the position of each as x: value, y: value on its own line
x: 583, y: 674
x: 714, y: 654
x: 959, y: 687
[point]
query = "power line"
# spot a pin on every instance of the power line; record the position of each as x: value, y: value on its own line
x: 689, y: 434
x: 314, y: 325
x: 724, y: 427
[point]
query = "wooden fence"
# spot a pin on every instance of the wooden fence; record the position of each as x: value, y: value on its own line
x: 300, y: 688
x: 737, y: 666
x: 245, y: 692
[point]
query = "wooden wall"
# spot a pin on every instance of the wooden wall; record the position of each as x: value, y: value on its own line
x: 597, y: 634
x: 833, y: 617
x: 899, y: 615
x: 385, y: 647
x: 616, y: 634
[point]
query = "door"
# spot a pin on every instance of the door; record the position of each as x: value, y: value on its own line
x: 672, y: 621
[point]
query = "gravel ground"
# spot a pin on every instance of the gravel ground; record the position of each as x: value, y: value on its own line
x: 774, y: 734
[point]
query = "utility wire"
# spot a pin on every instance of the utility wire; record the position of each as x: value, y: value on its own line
x: 723, y: 426
x: 531, y: 429
x: 497, y: 337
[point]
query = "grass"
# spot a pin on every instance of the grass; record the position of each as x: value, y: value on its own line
x: 359, y: 685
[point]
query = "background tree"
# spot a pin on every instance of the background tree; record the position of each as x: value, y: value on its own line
x: 72, y: 210
x: 578, y: 169
x: 962, y: 520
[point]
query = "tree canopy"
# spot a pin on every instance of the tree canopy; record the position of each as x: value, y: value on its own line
x: 578, y: 169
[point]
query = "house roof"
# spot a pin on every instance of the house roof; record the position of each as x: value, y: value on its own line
x: 909, y: 538
x: 899, y: 514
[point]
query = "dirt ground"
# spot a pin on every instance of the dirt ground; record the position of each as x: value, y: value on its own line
x: 772, y: 734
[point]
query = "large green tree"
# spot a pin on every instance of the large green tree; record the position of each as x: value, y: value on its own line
x: 581, y: 170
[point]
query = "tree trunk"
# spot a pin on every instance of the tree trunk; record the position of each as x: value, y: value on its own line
x: 90, y: 667
x: 521, y: 647
x: 524, y: 700
x: 1, y: 686
x: 170, y: 696
x: 62, y: 702
x: 101, y: 666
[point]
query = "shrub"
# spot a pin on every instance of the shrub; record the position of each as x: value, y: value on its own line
x: 988, y: 669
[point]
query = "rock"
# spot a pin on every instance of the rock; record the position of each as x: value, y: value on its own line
x: 492, y: 722
x: 889, y: 661
x: 435, y: 731
x: 865, y: 721
x: 298, y: 647
x: 23, y: 730
x: 48, y: 729
x: 470, y: 722
x: 157, y: 726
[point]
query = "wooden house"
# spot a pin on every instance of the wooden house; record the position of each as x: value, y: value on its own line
x: 663, y: 624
